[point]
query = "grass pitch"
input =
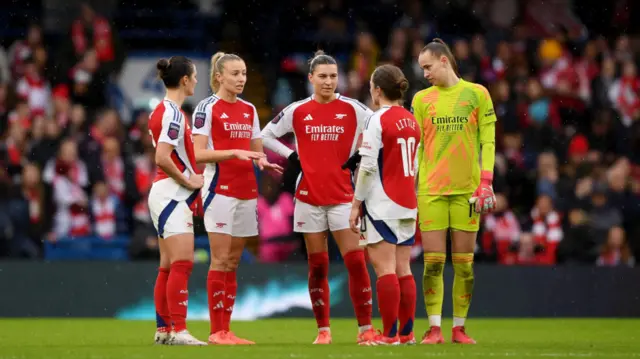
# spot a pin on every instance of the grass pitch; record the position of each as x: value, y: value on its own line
x: 291, y: 338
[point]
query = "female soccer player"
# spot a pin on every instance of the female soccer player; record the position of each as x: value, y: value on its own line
x: 174, y: 189
x: 457, y: 123
x: 327, y: 127
x: 386, y: 184
x: 227, y: 139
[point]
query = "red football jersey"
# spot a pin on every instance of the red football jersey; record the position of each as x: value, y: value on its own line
x: 326, y: 136
x: 167, y: 124
x: 229, y: 126
x: 392, y: 136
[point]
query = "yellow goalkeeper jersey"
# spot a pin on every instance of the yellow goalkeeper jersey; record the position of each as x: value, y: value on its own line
x: 455, y: 123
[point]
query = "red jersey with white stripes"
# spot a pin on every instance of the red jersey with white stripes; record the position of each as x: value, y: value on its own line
x: 229, y: 126
x: 391, y: 136
x: 326, y: 136
x: 167, y: 123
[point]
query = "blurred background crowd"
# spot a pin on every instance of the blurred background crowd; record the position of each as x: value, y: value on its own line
x: 76, y: 162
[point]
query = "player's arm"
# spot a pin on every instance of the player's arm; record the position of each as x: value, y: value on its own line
x: 484, y: 197
x: 171, y: 132
x: 258, y: 147
x: 371, y: 143
x: 487, y: 128
x: 419, y: 116
x: 278, y: 127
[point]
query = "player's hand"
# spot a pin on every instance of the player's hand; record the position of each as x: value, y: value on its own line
x: 291, y: 173
x: 353, y: 162
x: 484, y: 198
x: 354, y: 218
x: 248, y: 155
x: 264, y: 164
x: 195, y: 182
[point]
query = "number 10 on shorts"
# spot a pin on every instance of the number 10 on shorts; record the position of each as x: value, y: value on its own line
x: 408, y: 149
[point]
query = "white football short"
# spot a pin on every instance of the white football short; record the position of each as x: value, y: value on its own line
x: 314, y: 219
x: 394, y: 231
x: 228, y: 215
x: 169, y: 216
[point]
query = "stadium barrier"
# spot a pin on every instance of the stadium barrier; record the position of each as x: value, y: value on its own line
x: 124, y: 290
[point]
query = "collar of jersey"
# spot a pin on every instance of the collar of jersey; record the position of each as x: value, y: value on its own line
x: 451, y: 88
x: 313, y: 97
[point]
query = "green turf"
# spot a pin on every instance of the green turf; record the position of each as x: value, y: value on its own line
x: 515, y: 338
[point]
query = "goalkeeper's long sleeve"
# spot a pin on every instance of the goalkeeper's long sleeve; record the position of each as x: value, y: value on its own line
x: 488, y: 145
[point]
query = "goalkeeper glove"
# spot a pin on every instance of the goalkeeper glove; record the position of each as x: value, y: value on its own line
x: 484, y: 198
x: 291, y: 173
x: 353, y: 162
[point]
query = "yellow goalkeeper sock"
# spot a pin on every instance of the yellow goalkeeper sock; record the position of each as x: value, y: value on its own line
x: 462, y: 286
x: 433, y: 286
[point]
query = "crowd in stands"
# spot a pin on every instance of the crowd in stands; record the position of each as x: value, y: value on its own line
x: 568, y: 138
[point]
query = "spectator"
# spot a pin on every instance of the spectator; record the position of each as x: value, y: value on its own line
x: 67, y: 176
x: 103, y: 209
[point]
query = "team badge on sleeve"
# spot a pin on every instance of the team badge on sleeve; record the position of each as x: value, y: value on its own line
x: 277, y: 118
x: 174, y: 130
x: 198, y: 121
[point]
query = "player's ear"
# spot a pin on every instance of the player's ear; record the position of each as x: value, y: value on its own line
x: 310, y: 76
x: 444, y: 59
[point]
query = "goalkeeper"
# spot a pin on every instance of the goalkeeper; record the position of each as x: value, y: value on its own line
x: 456, y: 157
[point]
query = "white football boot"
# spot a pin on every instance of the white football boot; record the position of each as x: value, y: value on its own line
x: 184, y: 338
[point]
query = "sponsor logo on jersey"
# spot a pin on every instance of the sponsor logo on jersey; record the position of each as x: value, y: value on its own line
x: 224, y: 115
x: 308, y: 118
x: 173, y: 131
x: 449, y: 123
x: 198, y: 120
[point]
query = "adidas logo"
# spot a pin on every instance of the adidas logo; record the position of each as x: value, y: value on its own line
x: 318, y: 303
x: 308, y: 118
x: 224, y: 115
x: 219, y: 305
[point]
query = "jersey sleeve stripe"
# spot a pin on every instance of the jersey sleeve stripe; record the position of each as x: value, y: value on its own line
x: 177, y: 116
x: 202, y: 106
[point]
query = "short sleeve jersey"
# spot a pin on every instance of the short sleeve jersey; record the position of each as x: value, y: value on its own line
x: 167, y: 123
x: 391, y: 136
x: 450, y: 120
x: 229, y: 126
x: 326, y: 136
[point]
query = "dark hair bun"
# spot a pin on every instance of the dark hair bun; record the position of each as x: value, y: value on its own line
x: 318, y: 53
x: 162, y: 66
x: 403, y: 84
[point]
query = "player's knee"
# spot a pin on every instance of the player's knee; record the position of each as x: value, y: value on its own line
x: 403, y: 269
x: 232, y: 264
x: 218, y: 262
x: 433, y: 269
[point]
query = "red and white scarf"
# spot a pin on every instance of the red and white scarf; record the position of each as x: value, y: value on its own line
x: 104, y: 214
x: 114, y: 175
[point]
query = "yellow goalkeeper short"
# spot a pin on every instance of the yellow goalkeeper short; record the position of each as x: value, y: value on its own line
x: 442, y: 212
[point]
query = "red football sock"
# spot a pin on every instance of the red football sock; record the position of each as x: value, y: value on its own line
x: 230, y: 289
x: 163, y: 316
x: 388, y: 290
x: 407, y: 312
x: 178, y: 293
x: 215, y: 293
x: 319, y: 287
x: 359, y: 286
